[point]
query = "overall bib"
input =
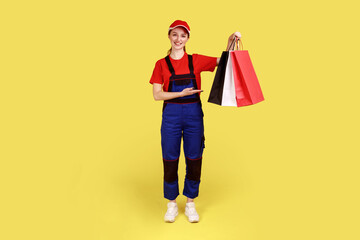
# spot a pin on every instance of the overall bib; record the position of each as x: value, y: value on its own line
x: 182, y: 118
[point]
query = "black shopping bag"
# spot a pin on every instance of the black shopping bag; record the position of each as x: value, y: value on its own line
x: 218, y: 84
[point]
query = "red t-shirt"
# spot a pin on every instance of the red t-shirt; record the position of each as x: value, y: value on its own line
x: 161, y: 73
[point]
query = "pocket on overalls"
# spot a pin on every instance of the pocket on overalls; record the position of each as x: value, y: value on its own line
x: 182, y: 82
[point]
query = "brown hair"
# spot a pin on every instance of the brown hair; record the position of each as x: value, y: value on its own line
x: 169, y: 51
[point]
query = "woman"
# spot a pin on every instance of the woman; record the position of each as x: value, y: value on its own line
x: 176, y: 80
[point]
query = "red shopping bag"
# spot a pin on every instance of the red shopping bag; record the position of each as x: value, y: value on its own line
x: 247, y: 86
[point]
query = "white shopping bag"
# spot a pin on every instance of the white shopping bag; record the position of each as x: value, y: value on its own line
x: 229, y: 94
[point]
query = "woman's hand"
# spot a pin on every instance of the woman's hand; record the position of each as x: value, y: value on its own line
x: 236, y: 35
x: 160, y: 95
x: 189, y: 91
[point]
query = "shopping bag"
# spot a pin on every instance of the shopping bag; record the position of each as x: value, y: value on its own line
x: 235, y: 82
x: 229, y: 95
x: 216, y: 92
x: 247, y: 86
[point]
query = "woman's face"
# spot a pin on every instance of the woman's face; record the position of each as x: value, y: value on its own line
x: 178, y: 38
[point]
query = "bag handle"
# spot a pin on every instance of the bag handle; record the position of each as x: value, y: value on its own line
x: 237, y: 44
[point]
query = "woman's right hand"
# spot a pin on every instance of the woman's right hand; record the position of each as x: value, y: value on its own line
x: 236, y: 35
x: 189, y: 91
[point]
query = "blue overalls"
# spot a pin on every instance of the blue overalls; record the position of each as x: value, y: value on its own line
x: 182, y: 117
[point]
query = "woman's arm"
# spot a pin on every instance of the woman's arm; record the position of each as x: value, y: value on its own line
x: 231, y: 38
x: 160, y: 95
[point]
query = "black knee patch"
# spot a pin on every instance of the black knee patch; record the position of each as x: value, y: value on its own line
x: 193, y: 169
x: 171, y: 170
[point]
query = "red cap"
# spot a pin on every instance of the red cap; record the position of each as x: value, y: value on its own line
x: 179, y: 23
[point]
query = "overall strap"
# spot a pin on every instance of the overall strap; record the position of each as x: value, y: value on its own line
x: 171, y: 69
x: 191, y: 66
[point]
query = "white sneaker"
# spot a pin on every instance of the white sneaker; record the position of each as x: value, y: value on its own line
x: 191, y: 213
x: 171, y: 212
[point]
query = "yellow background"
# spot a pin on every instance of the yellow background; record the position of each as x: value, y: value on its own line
x: 80, y: 131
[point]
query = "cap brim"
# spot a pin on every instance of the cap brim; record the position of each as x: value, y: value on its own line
x: 180, y: 26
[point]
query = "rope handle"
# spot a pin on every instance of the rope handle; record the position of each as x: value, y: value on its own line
x: 237, y: 44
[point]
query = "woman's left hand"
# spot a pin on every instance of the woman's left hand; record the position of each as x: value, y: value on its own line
x: 236, y: 35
